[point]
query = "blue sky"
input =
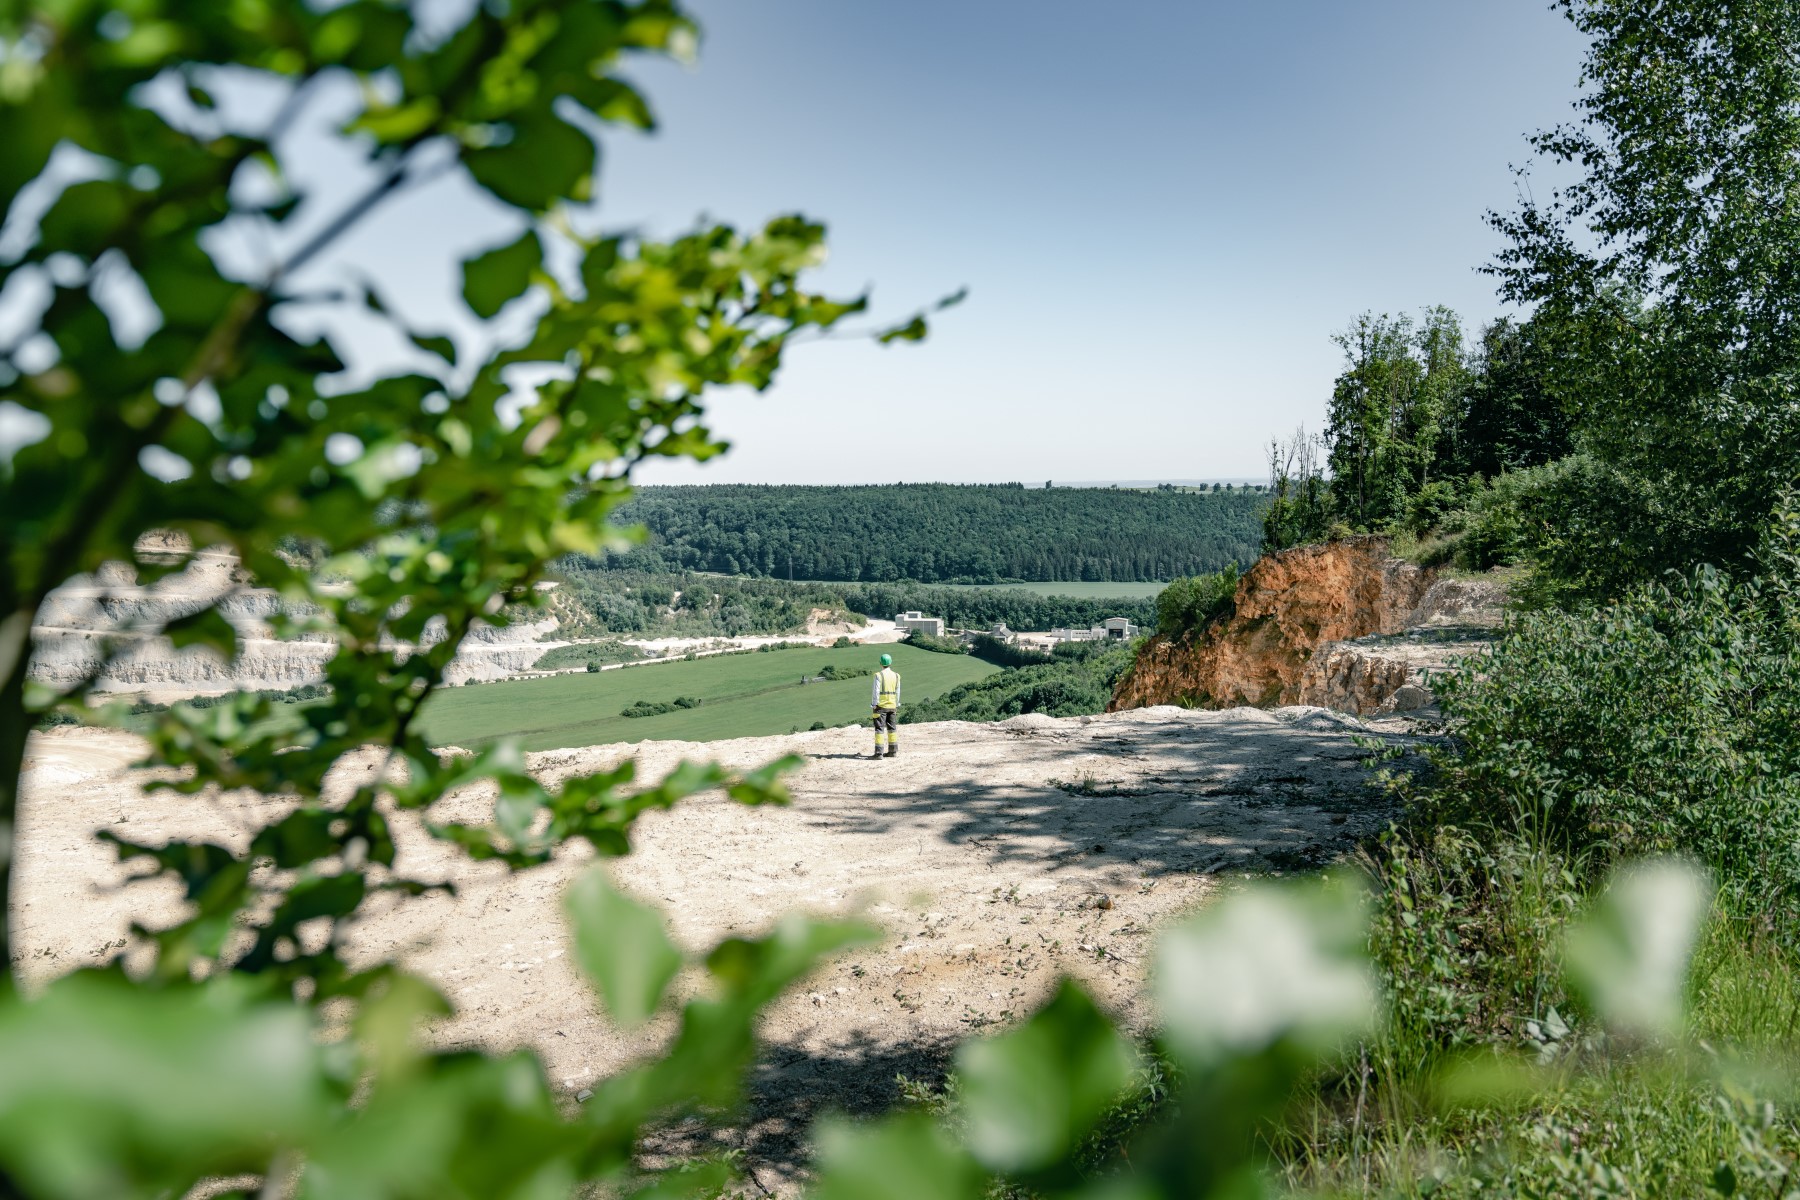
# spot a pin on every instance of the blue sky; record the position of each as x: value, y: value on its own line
x: 1162, y: 212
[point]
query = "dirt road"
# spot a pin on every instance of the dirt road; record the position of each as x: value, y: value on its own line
x: 996, y: 857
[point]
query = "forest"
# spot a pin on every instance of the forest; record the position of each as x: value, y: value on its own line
x: 943, y: 533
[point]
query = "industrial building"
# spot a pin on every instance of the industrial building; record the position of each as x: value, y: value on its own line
x: 916, y: 622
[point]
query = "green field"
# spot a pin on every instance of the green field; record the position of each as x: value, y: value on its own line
x: 746, y: 695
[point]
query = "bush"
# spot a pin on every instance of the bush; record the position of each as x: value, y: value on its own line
x: 1005, y: 654
x: 1431, y: 507
x: 1057, y: 687
x: 1669, y: 721
x: 1188, y: 605
x: 647, y: 708
x: 937, y: 645
x: 591, y: 655
x: 833, y: 671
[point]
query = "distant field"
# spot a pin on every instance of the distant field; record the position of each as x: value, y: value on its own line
x: 746, y: 695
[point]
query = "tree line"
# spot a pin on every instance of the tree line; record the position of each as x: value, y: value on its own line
x: 942, y: 533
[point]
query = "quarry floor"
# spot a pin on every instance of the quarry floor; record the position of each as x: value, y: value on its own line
x: 997, y: 857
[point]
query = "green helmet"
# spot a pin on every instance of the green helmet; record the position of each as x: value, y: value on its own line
x: 887, y: 660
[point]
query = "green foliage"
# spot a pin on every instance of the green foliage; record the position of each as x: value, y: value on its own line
x: 1068, y: 685
x: 592, y: 655
x: 1187, y: 606
x: 1391, y: 411
x: 1299, y: 509
x: 418, y: 504
x: 1662, y: 270
x: 941, y: 533
x: 1665, y: 721
x: 590, y: 602
x: 622, y: 947
x: 656, y: 708
x: 937, y: 645
x: 1509, y: 416
x: 980, y: 608
x: 1005, y: 654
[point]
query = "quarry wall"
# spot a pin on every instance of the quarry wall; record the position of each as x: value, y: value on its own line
x: 1343, y: 625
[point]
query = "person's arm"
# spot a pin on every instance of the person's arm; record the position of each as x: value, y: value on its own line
x: 875, y: 692
x: 897, y: 682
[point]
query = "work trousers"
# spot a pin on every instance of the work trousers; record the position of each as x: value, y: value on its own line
x: 887, y: 719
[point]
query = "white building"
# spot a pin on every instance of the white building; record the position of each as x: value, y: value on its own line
x: 916, y: 622
x: 1118, y: 629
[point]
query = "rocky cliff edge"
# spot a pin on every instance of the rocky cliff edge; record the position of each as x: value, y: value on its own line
x: 1342, y: 625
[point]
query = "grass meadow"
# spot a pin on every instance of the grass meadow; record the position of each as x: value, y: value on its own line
x: 745, y: 695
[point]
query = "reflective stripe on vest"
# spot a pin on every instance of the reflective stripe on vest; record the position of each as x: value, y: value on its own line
x: 888, y: 681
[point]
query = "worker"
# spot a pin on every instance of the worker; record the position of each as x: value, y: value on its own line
x: 884, y: 701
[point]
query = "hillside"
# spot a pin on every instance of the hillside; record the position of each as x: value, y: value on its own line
x: 995, y: 856
x: 943, y: 533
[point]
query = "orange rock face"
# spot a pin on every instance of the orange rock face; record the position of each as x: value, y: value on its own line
x: 1286, y: 607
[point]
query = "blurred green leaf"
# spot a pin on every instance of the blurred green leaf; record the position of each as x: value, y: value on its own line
x: 622, y: 947
x: 913, y: 330
x: 203, y: 627
x: 443, y: 347
x: 1029, y: 1096
x: 110, y: 1089
x: 1630, y: 955
x: 546, y: 160
x: 903, y: 1158
x: 492, y: 279
x: 1276, y: 964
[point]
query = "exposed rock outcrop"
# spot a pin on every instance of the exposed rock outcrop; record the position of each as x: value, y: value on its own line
x: 1343, y: 625
x: 104, y: 627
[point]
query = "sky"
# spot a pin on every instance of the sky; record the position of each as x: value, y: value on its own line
x: 1162, y: 212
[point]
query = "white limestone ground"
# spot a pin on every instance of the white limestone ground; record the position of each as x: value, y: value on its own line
x: 996, y: 857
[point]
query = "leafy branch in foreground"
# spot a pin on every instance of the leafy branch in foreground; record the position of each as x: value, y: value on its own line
x: 160, y: 389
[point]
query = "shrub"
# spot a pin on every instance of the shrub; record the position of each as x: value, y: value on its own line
x: 1057, y: 687
x: 648, y: 708
x: 1187, y: 605
x: 1668, y: 721
x: 937, y: 645
x: 1004, y: 654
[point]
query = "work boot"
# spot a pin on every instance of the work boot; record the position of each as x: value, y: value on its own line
x: 877, y: 754
x: 893, y: 750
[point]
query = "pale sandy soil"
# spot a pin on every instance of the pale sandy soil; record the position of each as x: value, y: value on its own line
x: 989, y: 878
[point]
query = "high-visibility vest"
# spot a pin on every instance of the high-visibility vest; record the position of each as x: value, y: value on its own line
x: 887, y: 688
